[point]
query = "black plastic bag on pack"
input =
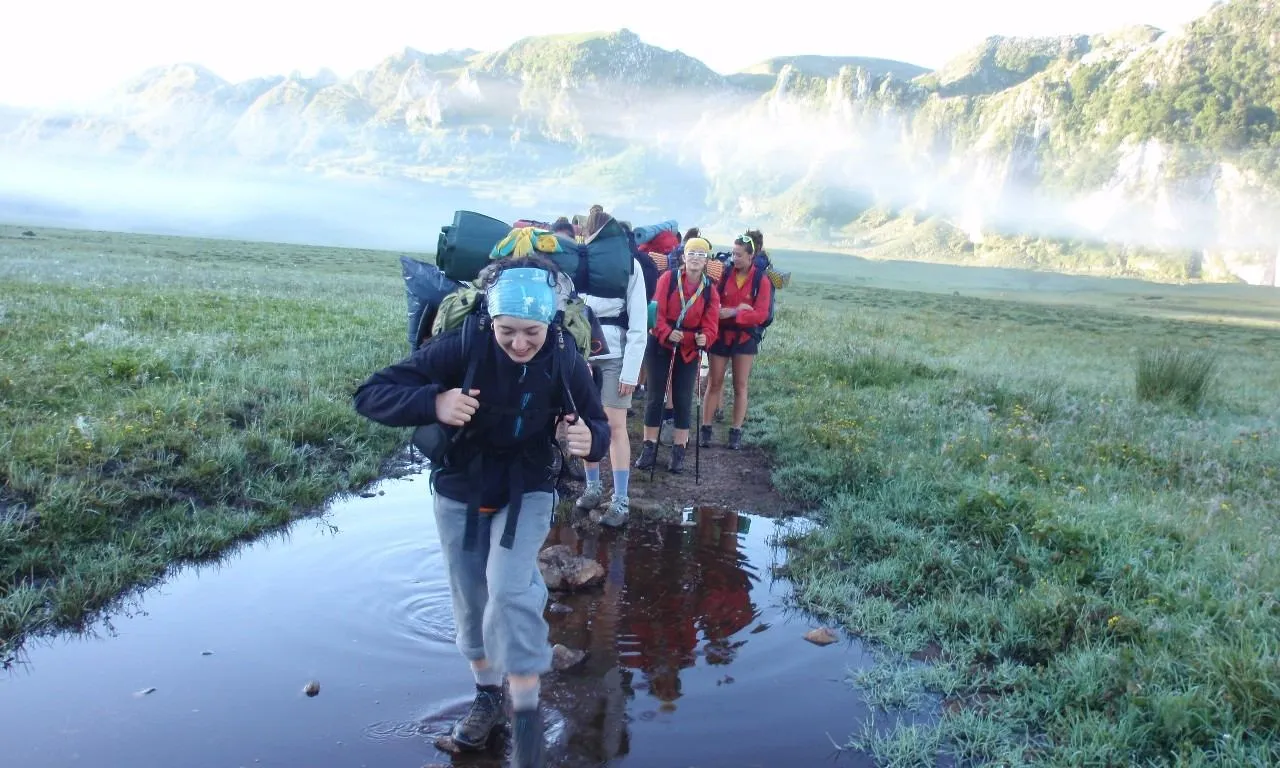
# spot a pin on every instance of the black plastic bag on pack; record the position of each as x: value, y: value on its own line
x: 425, y: 286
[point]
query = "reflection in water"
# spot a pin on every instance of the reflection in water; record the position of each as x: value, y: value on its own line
x: 692, y: 660
x: 672, y: 593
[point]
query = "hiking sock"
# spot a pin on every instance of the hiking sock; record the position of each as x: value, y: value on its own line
x: 488, y: 677
x: 621, y: 479
x: 524, y: 698
x: 593, y: 477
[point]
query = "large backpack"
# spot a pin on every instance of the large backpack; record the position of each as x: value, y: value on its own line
x: 601, y: 266
x: 466, y: 312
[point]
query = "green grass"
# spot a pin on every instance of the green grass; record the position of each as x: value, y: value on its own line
x: 1095, y: 572
x: 1099, y: 570
x: 162, y: 398
x: 1174, y: 375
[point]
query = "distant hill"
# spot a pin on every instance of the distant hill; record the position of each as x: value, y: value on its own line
x: 1135, y: 151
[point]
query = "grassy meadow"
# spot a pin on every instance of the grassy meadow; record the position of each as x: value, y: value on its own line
x: 1068, y: 502
x: 1060, y: 491
x: 162, y: 398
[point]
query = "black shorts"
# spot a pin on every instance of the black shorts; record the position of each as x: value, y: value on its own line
x: 743, y: 344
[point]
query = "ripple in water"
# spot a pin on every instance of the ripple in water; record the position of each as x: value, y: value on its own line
x: 438, y: 721
x: 426, y: 614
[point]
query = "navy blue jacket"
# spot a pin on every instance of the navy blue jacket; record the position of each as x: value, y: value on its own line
x: 516, y: 420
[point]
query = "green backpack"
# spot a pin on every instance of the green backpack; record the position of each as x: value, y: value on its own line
x: 577, y: 318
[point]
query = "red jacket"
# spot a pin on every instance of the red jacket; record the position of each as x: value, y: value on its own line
x: 731, y: 296
x: 703, y: 315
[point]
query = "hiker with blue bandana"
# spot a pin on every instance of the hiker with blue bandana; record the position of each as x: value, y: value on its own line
x: 494, y: 492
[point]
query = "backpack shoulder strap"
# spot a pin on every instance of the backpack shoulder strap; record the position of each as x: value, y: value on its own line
x: 565, y: 358
x: 474, y: 329
x: 755, y: 282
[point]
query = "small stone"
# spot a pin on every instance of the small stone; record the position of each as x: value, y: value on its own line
x: 559, y: 608
x: 564, y: 657
x: 206, y: 653
x: 367, y: 494
x: 145, y: 692
x: 562, y: 568
x: 821, y: 636
x: 312, y: 688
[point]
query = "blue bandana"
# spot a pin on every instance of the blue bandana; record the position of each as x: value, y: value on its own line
x: 523, y: 292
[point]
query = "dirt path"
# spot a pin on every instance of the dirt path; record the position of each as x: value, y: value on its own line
x: 737, y: 480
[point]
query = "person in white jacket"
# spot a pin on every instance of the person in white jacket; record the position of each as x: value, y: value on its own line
x: 625, y: 323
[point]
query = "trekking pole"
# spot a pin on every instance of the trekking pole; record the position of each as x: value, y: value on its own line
x: 697, y: 446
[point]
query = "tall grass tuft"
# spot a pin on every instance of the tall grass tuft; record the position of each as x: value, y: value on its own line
x: 1172, y: 374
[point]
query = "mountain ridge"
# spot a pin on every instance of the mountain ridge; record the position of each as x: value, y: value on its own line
x: 1089, y: 140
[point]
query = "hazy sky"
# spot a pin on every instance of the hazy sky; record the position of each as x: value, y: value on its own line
x: 57, y: 51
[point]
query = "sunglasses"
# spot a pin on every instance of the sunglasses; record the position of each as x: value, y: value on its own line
x: 697, y: 255
x: 746, y: 242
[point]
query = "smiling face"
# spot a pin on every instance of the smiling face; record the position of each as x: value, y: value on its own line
x: 520, y: 339
x: 694, y: 263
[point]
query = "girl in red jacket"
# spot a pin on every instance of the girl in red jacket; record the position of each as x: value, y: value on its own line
x: 739, y: 339
x: 687, y: 322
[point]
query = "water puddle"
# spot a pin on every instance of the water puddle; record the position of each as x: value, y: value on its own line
x: 693, y: 660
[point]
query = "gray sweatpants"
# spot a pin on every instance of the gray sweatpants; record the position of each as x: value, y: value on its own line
x: 498, y: 594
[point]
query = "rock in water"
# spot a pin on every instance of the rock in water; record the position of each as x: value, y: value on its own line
x: 821, y: 636
x: 563, y: 657
x: 562, y: 569
x: 312, y: 688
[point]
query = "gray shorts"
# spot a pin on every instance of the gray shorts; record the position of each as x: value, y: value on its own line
x: 610, y: 376
x: 499, y: 597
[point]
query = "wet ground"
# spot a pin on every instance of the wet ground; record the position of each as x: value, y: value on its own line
x: 716, y: 476
x: 693, y: 660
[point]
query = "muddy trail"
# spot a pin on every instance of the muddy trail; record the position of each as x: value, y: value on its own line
x: 715, y: 476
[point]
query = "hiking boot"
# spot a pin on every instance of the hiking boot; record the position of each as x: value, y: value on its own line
x: 527, y: 748
x: 616, y: 515
x: 705, y: 435
x: 473, y: 731
x: 735, y: 438
x: 591, y: 498
x: 648, y: 455
x: 665, y: 431
x: 677, y: 459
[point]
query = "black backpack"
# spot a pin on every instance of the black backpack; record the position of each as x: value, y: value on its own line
x: 438, y: 441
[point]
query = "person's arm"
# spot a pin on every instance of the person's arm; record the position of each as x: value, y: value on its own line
x: 760, y: 307
x: 711, y: 316
x: 637, y: 329
x: 662, y: 326
x: 590, y: 412
x: 404, y: 394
